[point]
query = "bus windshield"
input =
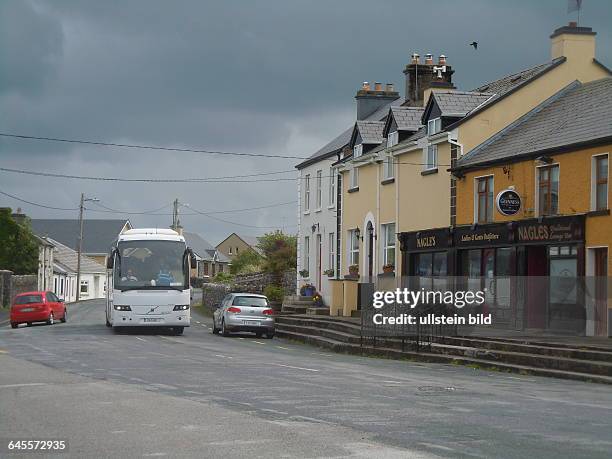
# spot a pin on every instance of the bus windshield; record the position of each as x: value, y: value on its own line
x: 151, y: 265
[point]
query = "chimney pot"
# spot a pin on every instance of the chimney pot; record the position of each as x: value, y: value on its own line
x: 442, y: 59
x: 573, y: 24
x: 365, y: 86
x: 428, y: 59
x: 415, y: 58
x: 389, y: 87
x: 377, y: 86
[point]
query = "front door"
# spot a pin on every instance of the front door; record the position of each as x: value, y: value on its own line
x: 537, y: 268
x: 318, y: 260
x: 601, y: 291
x: 370, y: 252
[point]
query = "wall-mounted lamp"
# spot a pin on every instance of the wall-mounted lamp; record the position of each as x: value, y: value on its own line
x: 314, y: 227
x: 358, y: 233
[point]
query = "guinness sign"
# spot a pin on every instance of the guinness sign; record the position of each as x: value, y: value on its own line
x: 508, y: 202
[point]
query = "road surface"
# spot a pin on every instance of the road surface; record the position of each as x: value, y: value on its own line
x: 200, y: 395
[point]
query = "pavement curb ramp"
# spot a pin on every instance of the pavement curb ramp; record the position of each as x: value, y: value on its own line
x: 514, y: 356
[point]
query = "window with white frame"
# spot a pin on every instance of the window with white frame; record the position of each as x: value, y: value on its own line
x: 319, y: 188
x: 431, y: 157
x: 306, y: 262
x: 230, y: 251
x: 388, y: 167
x: 392, y: 139
x: 388, y: 244
x: 307, y: 193
x: 599, y: 183
x: 434, y: 126
x: 354, y: 177
x: 357, y: 150
x: 332, y: 251
x: 332, y: 186
x: 84, y: 287
x: 353, y: 255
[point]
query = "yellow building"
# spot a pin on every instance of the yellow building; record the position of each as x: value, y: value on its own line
x: 534, y: 201
x: 396, y: 179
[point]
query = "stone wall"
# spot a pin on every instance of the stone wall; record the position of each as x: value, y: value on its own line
x: 11, y: 285
x: 212, y: 293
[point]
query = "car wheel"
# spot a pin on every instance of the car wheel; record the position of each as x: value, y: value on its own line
x: 65, y: 318
x: 215, y: 330
x: 178, y: 330
x: 224, y: 332
x: 269, y: 335
x: 13, y: 325
x: 51, y: 319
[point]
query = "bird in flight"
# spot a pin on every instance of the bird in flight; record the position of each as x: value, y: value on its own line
x: 474, y: 44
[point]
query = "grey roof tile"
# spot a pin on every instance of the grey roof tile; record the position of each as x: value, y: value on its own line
x: 371, y: 132
x: 67, y: 259
x: 578, y: 113
x: 407, y: 118
x: 460, y: 103
x: 98, y: 235
x: 202, y: 247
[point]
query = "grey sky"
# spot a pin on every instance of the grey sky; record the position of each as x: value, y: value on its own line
x: 271, y: 76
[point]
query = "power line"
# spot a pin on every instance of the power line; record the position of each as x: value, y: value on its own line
x: 145, y: 147
x: 220, y: 179
x: 236, y: 223
x: 36, y: 204
x: 153, y: 212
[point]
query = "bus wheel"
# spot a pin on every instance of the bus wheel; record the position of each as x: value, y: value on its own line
x: 178, y: 330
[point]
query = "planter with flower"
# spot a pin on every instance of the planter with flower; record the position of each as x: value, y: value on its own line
x: 304, y: 273
x: 307, y: 290
x: 329, y: 272
x: 388, y: 268
x: 317, y: 300
x: 354, y: 270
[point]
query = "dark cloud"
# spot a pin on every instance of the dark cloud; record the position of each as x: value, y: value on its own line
x: 270, y: 76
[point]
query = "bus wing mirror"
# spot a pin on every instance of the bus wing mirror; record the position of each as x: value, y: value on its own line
x: 110, y: 261
x: 192, y: 260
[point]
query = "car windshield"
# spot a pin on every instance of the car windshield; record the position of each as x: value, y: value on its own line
x: 27, y: 299
x: 254, y: 301
x: 151, y: 264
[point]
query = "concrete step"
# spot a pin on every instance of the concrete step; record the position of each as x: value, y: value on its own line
x: 353, y: 348
x: 297, y: 299
x: 321, y: 322
x: 318, y: 311
x: 565, y: 351
x: 318, y: 332
x: 292, y: 309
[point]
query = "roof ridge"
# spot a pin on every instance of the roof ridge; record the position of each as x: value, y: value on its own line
x: 489, y: 83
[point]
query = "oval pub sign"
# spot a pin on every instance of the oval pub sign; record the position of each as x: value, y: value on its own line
x: 508, y: 202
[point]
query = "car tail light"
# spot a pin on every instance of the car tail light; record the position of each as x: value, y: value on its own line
x: 234, y: 310
x: 268, y: 312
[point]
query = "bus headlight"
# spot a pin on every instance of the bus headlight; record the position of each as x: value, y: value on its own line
x: 181, y: 307
x: 119, y: 307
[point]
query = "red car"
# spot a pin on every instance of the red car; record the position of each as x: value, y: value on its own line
x: 37, y: 307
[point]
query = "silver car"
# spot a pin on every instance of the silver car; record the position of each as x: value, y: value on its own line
x: 244, y: 312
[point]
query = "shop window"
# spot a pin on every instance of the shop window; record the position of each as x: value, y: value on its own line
x: 431, y: 269
x: 548, y: 190
x: 563, y: 274
x: 484, y: 199
x: 388, y: 243
x: 600, y: 182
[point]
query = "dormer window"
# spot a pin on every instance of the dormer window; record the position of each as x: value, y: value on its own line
x: 392, y: 139
x: 434, y: 126
x: 357, y: 151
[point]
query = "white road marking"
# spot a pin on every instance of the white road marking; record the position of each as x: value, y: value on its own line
x: 22, y: 385
x: 393, y: 382
x: 240, y: 338
x: 258, y: 342
x: 223, y: 356
x: 295, y: 368
x: 285, y: 348
x: 141, y: 339
x: 197, y: 322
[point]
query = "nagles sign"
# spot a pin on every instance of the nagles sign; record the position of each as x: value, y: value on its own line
x: 560, y: 229
x: 426, y: 240
x: 508, y: 202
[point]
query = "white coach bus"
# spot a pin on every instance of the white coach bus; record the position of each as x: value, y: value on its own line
x: 148, y: 280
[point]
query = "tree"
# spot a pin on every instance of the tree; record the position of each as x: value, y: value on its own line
x: 280, y: 252
x: 18, y: 246
x: 247, y: 261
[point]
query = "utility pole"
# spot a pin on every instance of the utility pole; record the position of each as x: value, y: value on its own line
x: 80, y: 245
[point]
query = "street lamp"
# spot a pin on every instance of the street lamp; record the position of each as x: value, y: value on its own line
x: 80, y: 246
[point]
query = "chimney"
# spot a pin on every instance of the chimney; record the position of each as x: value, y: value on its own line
x: 369, y: 100
x: 573, y: 42
x: 421, y: 78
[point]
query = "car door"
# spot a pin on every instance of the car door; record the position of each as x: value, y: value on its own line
x: 52, y: 304
x: 218, y: 313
